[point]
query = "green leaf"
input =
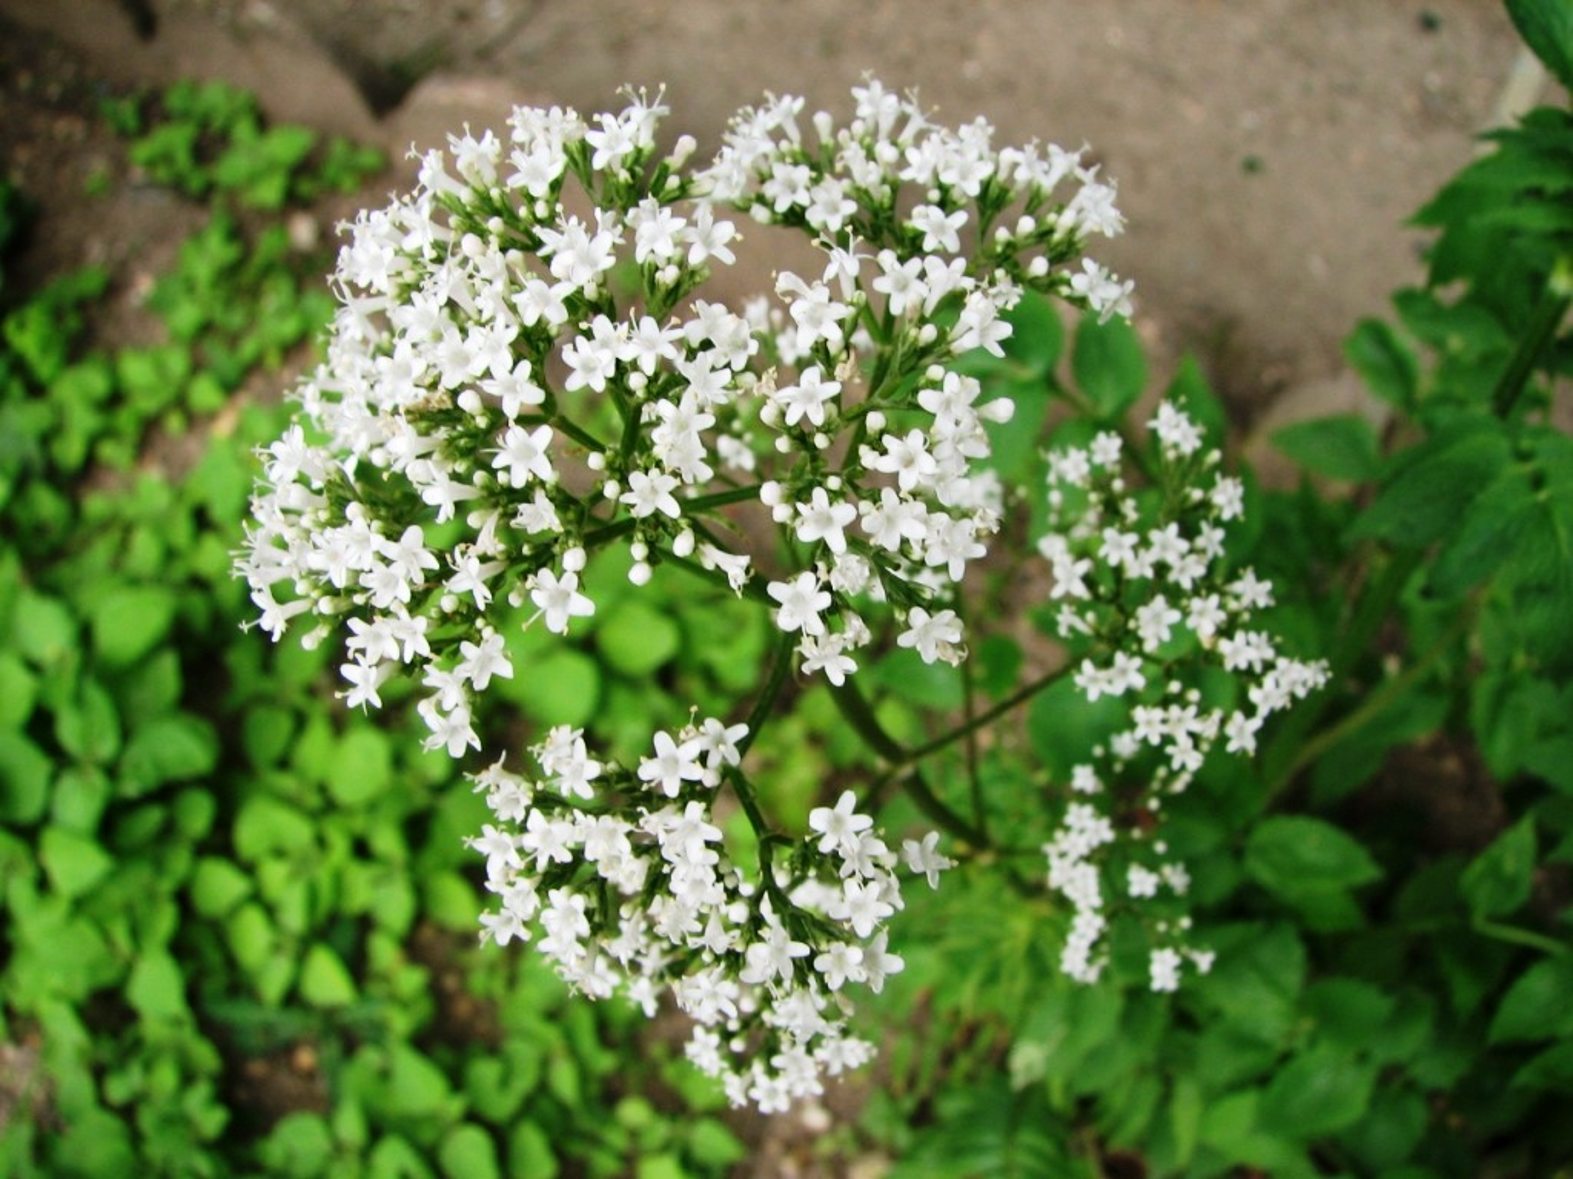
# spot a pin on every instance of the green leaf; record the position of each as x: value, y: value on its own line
x: 129, y: 621
x: 73, y: 862
x: 1536, y: 1006
x: 1340, y: 447
x: 1547, y: 28
x: 300, y: 1146
x: 1109, y: 366
x: 416, y: 1086
x: 636, y: 638
x: 1551, y: 1070
x: 468, y: 1152
x: 1385, y: 361
x: 361, y: 766
x: 18, y: 691
x: 88, y: 728
x: 156, y: 989
x: 1319, y: 1092
x: 324, y: 979
x: 1498, y: 880
x: 42, y: 629
x: 713, y: 1145
x: 217, y: 886
x: 1037, y: 337
x: 250, y: 936
x: 1287, y: 852
x: 177, y: 747
x: 1349, y: 1013
x: 530, y: 1152
x: 1431, y: 487
x: 24, y: 779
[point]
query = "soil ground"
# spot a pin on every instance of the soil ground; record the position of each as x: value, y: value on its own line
x: 1267, y: 151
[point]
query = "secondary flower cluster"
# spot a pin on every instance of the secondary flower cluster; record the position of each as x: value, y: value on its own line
x: 1147, y: 598
x: 525, y: 369
x: 628, y: 878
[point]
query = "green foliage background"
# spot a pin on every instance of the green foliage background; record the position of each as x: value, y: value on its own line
x: 239, y: 921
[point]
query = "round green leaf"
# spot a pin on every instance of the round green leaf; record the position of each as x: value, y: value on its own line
x: 468, y: 1152
x: 324, y: 979
x: 73, y: 862
x: 156, y: 989
x: 129, y: 621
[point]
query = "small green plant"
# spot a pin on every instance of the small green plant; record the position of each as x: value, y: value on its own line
x: 237, y: 918
x: 208, y: 139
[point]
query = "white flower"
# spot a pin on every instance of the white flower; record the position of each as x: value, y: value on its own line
x: 559, y: 599
x: 802, y: 601
x: 924, y: 858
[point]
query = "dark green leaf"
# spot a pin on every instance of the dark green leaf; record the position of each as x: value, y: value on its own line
x: 1319, y: 1092
x: 1287, y: 852
x: 1433, y: 485
x: 1499, y: 879
x: 176, y: 747
x: 1537, y: 1006
x: 1547, y: 27
x: 1109, y: 365
x: 1342, y: 447
x: 1385, y: 361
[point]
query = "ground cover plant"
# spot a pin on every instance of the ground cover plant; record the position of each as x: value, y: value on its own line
x: 1171, y: 935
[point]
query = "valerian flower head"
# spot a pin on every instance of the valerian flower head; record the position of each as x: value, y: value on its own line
x: 528, y: 369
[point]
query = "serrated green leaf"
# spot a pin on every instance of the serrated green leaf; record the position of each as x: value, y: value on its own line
x: 1385, y: 361
x: 1344, y: 447
x: 1318, y: 1092
x: 1109, y: 366
x: 1499, y: 879
x: 1432, y: 486
x: 1286, y: 852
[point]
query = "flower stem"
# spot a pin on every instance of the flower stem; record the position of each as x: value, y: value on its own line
x: 1542, y: 330
x: 861, y: 717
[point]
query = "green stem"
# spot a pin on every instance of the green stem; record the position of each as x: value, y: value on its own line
x: 1370, y: 612
x: 855, y: 709
x: 1520, y: 937
x: 1373, y: 705
x: 1012, y: 702
x: 1538, y: 336
x: 768, y: 696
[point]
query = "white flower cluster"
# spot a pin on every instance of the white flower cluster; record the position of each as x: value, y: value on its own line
x: 1147, y: 599
x: 524, y: 370
x: 642, y: 899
